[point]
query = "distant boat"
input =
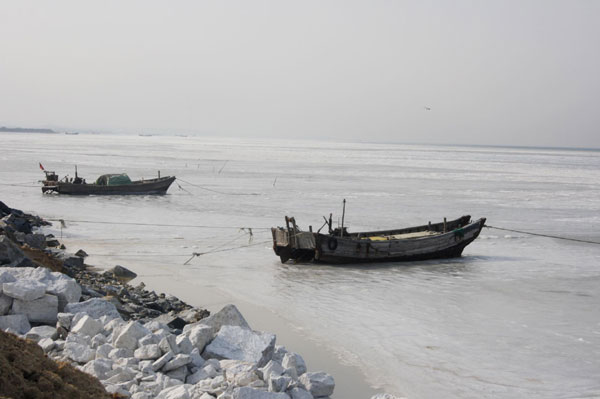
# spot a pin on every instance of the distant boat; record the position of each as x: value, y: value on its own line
x: 109, y: 184
x: 430, y: 241
x: 72, y: 133
x: 145, y: 135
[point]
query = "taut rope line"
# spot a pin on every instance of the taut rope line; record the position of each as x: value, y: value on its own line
x: 543, y: 235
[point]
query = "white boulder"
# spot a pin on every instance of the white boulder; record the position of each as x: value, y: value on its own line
x: 41, y: 332
x: 176, y: 362
x: 25, y: 290
x: 94, y: 307
x: 66, y: 289
x: 176, y: 392
x: 184, y: 345
x: 41, y: 310
x: 47, y: 344
x: 160, y: 362
x: 200, y: 335
x: 233, y: 342
x: 78, y: 352
x: 148, y: 352
x: 386, y: 396
x: 129, y: 336
x: 87, y: 326
x: 228, y: 316
x: 99, y: 368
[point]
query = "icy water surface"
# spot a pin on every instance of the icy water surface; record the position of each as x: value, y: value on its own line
x: 516, y: 316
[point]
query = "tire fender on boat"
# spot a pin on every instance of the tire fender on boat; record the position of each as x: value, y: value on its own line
x: 332, y: 243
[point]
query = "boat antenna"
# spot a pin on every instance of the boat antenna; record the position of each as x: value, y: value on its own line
x: 343, y: 215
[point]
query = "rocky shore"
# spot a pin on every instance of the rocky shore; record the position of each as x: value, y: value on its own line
x: 137, y: 343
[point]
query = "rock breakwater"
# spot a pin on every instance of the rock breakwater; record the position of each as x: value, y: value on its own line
x: 139, y: 344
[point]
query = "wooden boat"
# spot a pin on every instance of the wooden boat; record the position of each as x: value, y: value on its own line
x: 111, y: 184
x: 431, y: 241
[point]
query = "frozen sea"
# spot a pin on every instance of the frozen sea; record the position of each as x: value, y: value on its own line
x: 517, y: 316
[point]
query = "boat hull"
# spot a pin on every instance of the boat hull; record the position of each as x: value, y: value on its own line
x: 141, y: 187
x: 333, y: 249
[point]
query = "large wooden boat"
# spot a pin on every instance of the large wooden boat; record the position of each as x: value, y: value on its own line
x: 111, y: 184
x: 446, y: 239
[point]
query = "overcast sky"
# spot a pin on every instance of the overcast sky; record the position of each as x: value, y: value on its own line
x: 491, y: 72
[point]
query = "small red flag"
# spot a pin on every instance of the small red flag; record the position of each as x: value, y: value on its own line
x: 41, y: 167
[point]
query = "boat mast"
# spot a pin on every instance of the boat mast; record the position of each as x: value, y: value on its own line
x: 343, y: 215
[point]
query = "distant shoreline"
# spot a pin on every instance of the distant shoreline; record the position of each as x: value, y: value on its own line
x: 4, y: 129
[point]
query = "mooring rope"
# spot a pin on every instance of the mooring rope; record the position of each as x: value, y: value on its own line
x: 156, y: 224
x: 215, y: 191
x: 543, y: 235
x: 195, y: 254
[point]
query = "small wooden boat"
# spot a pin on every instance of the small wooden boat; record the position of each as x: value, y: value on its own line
x: 111, y: 184
x: 431, y: 241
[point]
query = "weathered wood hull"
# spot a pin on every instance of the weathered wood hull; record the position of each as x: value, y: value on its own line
x: 153, y: 186
x: 443, y: 243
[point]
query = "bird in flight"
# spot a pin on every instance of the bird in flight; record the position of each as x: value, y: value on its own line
x: 427, y: 108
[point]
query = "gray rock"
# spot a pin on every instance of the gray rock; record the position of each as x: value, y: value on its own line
x: 252, y: 393
x: 5, y: 304
x: 197, y: 360
x: 386, y: 396
x: 279, y: 383
x: 64, y: 320
x: 123, y: 273
x: 103, y: 351
x: 47, y: 344
x: 196, y: 377
x: 299, y: 393
x: 40, y: 332
x: 175, y: 392
x: 169, y: 344
x: 176, y: 362
x: 99, y: 368
x: 24, y: 290
x: 72, y: 261
x: 78, y: 352
x: 179, y: 373
x: 295, y: 361
x: 94, y: 307
x: 120, y: 353
x: 160, y: 362
x: 98, y: 340
x: 66, y: 289
x: 151, y: 339
x: 6, y: 276
x: 41, y: 310
x: 233, y: 342
x: 148, y: 352
x: 200, y: 335
x: 124, y: 374
x: 87, y: 326
x: 81, y: 253
x: 36, y: 240
x: 17, y: 322
x: 10, y: 253
x: 228, y: 316
x: 272, y: 368
x: 184, y: 345
x: 318, y: 384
